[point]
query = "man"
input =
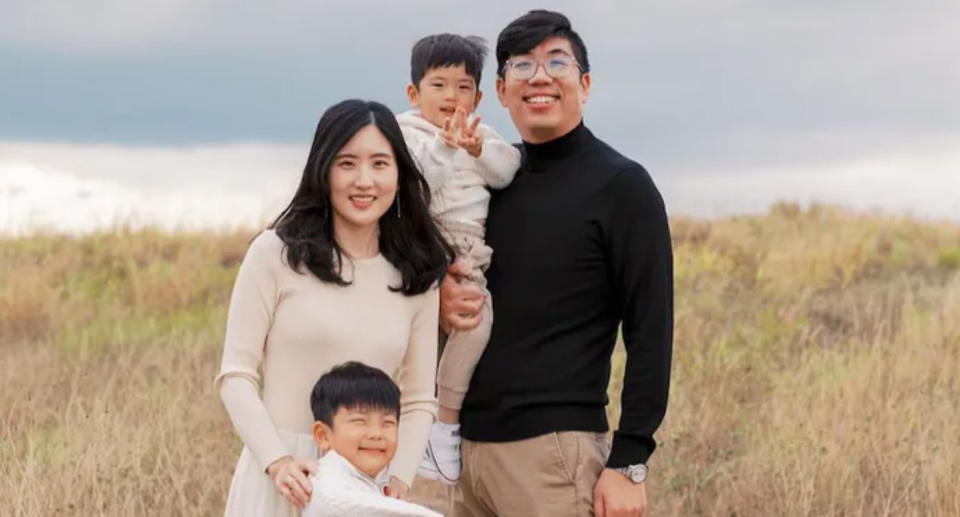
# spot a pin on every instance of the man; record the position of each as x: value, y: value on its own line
x: 581, y: 244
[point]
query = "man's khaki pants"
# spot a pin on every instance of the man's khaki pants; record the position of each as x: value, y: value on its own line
x: 548, y: 475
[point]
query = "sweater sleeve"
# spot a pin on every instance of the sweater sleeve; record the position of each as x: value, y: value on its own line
x: 248, y: 322
x: 432, y: 155
x: 498, y: 161
x: 641, y: 261
x: 417, y: 380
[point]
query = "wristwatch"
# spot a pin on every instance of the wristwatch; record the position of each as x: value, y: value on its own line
x: 636, y: 473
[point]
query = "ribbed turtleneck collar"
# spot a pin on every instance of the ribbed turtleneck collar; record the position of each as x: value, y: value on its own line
x: 570, y: 144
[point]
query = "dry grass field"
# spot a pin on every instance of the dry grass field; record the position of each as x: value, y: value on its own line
x: 816, y: 370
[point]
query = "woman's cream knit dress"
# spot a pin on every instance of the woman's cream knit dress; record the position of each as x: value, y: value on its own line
x: 285, y: 329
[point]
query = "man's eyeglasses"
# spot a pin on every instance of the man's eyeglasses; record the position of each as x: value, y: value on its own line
x: 524, y: 68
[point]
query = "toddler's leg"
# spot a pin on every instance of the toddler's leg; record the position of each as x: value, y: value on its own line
x: 460, y: 357
x: 461, y: 353
x: 464, y: 348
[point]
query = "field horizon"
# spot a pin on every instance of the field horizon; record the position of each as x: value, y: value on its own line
x: 816, y: 368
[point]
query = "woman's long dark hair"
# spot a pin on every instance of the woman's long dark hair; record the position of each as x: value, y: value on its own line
x: 409, y: 237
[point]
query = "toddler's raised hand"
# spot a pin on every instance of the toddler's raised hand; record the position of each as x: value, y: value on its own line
x: 448, y: 133
x: 470, y: 138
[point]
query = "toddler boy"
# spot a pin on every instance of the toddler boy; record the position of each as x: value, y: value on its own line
x: 460, y: 158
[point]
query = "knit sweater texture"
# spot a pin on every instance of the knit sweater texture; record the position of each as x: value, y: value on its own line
x: 458, y: 181
x: 582, y: 249
x: 341, y: 490
x: 286, y: 328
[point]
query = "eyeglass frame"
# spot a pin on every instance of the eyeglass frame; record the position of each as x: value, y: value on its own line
x: 508, y: 65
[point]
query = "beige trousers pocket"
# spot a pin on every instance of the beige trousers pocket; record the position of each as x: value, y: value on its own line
x: 548, y: 475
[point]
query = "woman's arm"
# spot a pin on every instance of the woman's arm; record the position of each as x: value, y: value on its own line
x: 417, y: 381
x: 248, y: 322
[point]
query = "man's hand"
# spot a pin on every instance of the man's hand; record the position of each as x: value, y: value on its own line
x: 460, y: 302
x: 617, y: 496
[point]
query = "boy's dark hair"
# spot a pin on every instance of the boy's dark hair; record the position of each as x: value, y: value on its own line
x: 353, y: 385
x: 440, y: 50
x: 532, y: 29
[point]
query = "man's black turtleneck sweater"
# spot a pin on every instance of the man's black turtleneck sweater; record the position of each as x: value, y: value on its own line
x: 581, y: 244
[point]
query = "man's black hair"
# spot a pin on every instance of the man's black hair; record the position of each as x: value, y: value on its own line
x: 534, y: 28
x: 441, y: 50
x: 353, y: 385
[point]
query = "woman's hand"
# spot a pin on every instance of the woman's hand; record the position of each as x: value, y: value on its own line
x: 460, y: 303
x: 396, y: 489
x: 290, y: 478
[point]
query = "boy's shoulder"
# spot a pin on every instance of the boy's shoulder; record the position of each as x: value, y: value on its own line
x: 335, y: 471
x: 333, y: 491
x: 411, y: 120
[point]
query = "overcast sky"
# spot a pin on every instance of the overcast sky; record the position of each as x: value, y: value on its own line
x: 689, y: 89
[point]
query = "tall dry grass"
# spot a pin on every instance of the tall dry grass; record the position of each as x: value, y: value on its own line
x: 108, y: 347
x: 816, y: 370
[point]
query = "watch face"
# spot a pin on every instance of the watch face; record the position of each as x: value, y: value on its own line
x: 638, y: 473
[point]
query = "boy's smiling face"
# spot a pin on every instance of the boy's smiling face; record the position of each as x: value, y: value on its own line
x: 367, y: 438
x: 442, y: 90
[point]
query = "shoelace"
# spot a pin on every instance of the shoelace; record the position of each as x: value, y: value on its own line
x: 436, y: 464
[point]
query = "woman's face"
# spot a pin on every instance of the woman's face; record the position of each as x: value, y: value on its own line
x: 363, y: 181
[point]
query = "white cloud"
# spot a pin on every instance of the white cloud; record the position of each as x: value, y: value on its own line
x: 923, y: 184
x: 685, y: 87
x: 239, y: 166
x: 78, y: 188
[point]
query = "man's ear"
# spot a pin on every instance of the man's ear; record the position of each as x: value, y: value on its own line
x: 584, y: 87
x: 501, y: 91
x: 413, y: 95
x: 321, y: 436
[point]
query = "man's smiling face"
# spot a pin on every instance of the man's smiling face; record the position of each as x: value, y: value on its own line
x: 543, y: 107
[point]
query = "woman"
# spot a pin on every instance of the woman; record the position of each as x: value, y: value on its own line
x: 348, y: 271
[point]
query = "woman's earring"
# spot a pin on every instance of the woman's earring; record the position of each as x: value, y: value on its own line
x: 398, y: 206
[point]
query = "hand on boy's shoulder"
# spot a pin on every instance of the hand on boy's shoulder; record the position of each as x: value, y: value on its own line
x: 397, y: 489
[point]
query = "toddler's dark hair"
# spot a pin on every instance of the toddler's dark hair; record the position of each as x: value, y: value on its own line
x: 440, y: 50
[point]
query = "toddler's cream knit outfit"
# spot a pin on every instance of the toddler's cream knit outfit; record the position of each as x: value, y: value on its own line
x: 459, y: 201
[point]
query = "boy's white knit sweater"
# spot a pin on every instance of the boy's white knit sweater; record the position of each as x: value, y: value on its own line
x: 341, y: 490
x: 458, y: 181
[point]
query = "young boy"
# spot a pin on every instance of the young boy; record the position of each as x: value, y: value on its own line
x: 357, y: 410
x: 460, y: 158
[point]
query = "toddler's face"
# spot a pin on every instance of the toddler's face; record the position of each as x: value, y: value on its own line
x: 441, y: 91
x: 367, y: 438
